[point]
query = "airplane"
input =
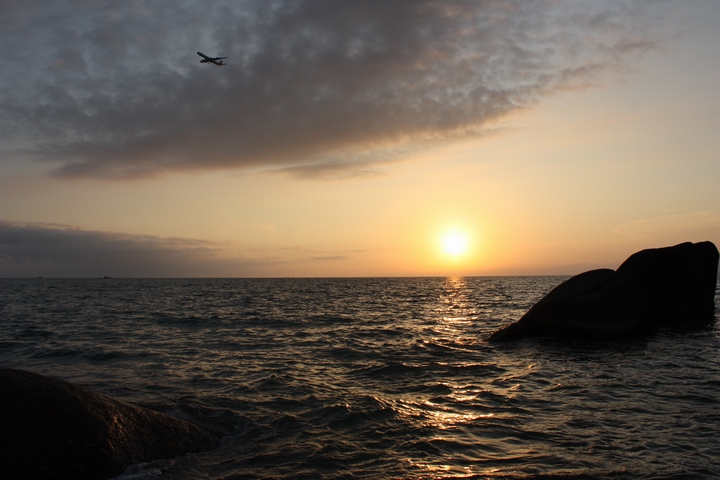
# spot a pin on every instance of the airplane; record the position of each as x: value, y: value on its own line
x: 214, y: 60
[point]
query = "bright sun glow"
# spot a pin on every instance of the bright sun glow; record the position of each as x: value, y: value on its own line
x: 454, y: 243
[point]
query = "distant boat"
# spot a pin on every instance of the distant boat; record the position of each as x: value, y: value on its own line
x: 106, y: 276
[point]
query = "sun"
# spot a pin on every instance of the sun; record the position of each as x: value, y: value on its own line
x: 454, y: 243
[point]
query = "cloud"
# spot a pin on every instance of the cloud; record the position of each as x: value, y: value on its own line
x: 55, y: 250
x: 30, y: 250
x: 116, y: 90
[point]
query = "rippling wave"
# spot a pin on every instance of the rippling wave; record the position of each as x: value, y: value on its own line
x: 373, y: 378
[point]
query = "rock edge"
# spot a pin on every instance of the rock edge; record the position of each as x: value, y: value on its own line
x: 53, y: 429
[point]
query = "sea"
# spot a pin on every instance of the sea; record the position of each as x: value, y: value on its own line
x: 378, y: 378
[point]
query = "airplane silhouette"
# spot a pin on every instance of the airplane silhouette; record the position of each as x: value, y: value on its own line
x: 214, y: 60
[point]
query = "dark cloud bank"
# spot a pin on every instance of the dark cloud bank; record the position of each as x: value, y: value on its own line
x: 115, y: 90
x: 51, y: 250
x: 41, y: 250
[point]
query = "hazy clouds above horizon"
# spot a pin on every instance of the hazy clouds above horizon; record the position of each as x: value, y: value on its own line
x: 311, y: 86
x: 49, y: 250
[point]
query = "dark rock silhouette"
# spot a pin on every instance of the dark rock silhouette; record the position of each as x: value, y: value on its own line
x: 679, y: 281
x: 52, y: 429
x: 661, y: 287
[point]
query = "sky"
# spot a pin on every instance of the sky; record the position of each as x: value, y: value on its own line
x: 364, y: 138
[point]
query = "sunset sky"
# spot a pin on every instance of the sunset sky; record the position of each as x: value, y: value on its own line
x: 364, y: 138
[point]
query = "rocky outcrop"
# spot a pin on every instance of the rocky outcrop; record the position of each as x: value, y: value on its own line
x: 52, y: 429
x: 661, y: 287
x: 679, y: 282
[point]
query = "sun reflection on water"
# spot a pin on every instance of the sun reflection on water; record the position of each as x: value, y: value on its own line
x: 427, y: 413
x: 455, y: 311
x: 454, y: 414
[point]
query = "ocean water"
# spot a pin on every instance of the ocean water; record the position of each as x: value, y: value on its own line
x: 373, y: 378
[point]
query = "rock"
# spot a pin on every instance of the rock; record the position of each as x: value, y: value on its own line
x: 679, y: 281
x: 52, y: 429
x: 595, y: 305
x: 672, y: 286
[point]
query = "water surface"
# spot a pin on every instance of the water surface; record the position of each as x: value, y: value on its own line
x: 373, y: 378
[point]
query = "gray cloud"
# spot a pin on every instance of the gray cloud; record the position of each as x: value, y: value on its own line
x: 55, y: 250
x: 116, y: 90
x: 31, y: 250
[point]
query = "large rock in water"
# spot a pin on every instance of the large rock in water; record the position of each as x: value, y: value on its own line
x: 52, y: 429
x: 661, y: 287
x: 679, y: 281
